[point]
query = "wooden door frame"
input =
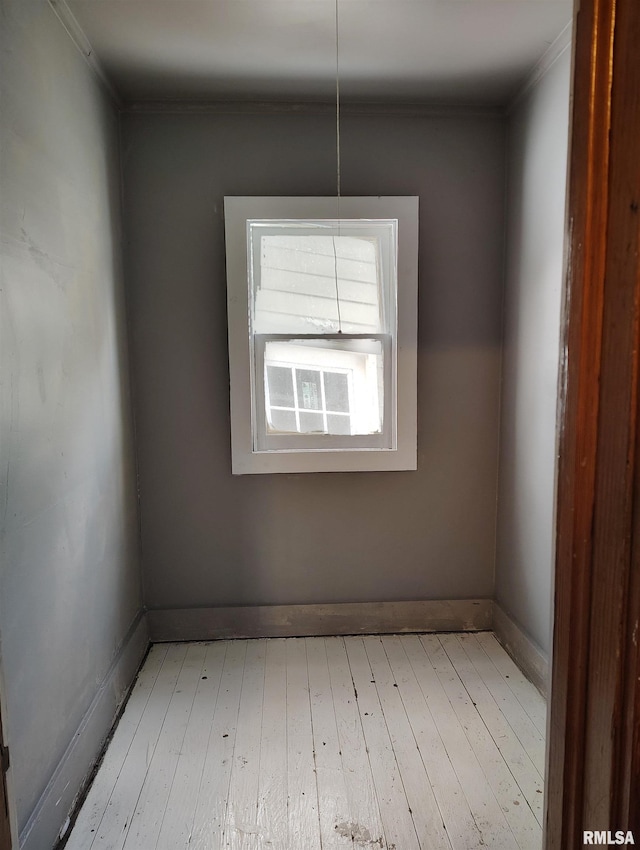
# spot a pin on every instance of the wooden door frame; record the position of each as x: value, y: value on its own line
x: 593, y: 768
x: 8, y: 819
x: 5, y: 817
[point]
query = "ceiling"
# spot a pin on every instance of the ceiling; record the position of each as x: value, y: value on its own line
x: 435, y: 51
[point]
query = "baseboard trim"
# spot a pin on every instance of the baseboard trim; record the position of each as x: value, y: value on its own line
x: 529, y: 657
x: 344, y: 618
x: 49, y: 818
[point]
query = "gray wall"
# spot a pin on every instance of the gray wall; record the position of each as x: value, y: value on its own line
x: 212, y: 539
x: 69, y: 580
x: 536, y: 177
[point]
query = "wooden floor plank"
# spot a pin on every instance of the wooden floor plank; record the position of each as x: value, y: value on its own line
x: 486, y: 811
x: 527, y: 694
x: 423, y: 807
x: 514, y: 804
x: 332, y: 790
x: 393, y: 743
x: 456, y: 814
x: 365, y: 825
x: 112, y: 831
x: 211, y: 806
x: 272, y: 816
x: 530, y: 737
x: 301, y: 778
x: 241, y: 830
x: 145, y: 824
x: 95, y: 805
x: 177, y: 822
x: 394, y: 806
x: 510, y: 748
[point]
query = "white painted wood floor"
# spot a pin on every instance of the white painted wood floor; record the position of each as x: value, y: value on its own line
x: 399, y: 742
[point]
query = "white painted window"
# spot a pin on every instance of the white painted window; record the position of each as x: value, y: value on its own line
x: 322, y: 333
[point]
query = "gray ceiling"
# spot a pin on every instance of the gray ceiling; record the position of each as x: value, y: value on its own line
x: 438, y: 51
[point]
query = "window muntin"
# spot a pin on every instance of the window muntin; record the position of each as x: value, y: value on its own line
x: 316, y: 401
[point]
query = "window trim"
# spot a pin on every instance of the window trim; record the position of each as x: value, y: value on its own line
x: 246, y: 460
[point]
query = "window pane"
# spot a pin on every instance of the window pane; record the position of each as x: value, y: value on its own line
x: 318, y: 277
x: 283, y: 421
x: 336, y: 390
x: 316, y: 284
x: 280, y: 384
x: 309, y: 391
x: 311, y: 423
x: 338, y: 424
x: 353, y: 377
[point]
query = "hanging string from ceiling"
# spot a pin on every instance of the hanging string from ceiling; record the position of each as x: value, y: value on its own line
x: 335, y: 253
x: 337, y: 103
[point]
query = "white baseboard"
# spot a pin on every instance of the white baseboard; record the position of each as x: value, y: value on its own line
x: 345, y: 618
x: 529, y: 657
x: 49, y: 816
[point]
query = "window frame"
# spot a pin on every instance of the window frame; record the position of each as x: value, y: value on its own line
x: 322, y: 453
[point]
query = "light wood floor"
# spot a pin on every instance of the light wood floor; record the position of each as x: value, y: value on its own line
x: 400, y: 742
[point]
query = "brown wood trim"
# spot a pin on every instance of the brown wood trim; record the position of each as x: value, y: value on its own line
x: 593, y: 733
x: 627, y: 802
x: 624, y: 270
x: 5, y: 819
x: 577, y: 419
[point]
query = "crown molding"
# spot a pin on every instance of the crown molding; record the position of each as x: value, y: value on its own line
x: 266, y: 107
x: 547, y: 61
x: 79, y: 38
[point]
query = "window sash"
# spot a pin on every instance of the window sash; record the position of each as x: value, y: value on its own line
x: 385, y: 234
x: 263, y: 441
